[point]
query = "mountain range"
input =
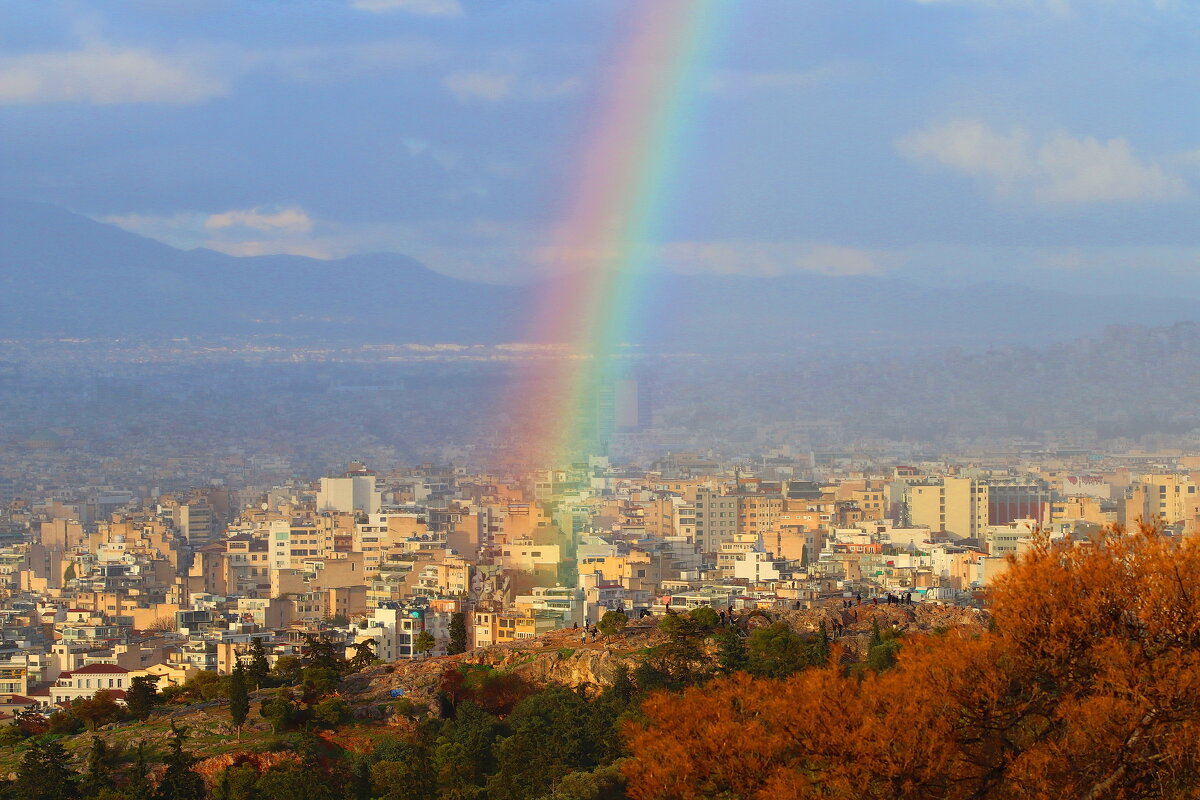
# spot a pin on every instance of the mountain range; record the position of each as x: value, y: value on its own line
x: 63, y: 274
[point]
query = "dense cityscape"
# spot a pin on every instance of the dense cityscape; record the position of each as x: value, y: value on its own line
x: 599, y: 400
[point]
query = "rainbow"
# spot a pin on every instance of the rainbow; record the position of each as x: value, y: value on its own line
x: 616, y: 204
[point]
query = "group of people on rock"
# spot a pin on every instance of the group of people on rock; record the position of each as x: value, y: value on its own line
x: 902, y: 599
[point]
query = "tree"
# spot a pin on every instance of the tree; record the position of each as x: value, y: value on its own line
x: 364, y: 654
x: 279, y: 711
x: 731, y: 651
x: 137, y: 787
x: 239, y: 697
x: 321, y: 652
x: 141, y: 696
x: 458, y: 634
x: 96, y: 776
x: 64, y: 723
x: 45, y: 773
x: 705, y: 617
x: 777, y: 651
x: 97, y: 709
x: 549, y: 740
x: 424, y: 642
x: 179, y: 781
x: 259, y: 667
x: 332, y: 712
x: 613, y: 622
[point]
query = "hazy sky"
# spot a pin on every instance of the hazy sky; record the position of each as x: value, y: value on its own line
x: 1050, y: 141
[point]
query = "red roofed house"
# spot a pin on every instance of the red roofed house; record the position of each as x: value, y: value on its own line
x: 86, y: 681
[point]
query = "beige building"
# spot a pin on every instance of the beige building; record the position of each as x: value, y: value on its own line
x: 955, y: 507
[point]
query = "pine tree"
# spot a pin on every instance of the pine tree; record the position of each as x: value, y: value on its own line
x: 239, y: 698
x: 141, y: 697
x: 731, y: 651
x: 458, y: 633
x: 179, y: 782
x: 138, y: 785
x: 45, y: 774
x: 424, y: 642
x: 97, y: 776
x: 259, y: 667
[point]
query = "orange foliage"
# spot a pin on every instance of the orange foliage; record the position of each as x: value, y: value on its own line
x: 1088, y: 686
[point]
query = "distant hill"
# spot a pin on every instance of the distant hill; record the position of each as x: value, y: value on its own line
x: 62, y: 274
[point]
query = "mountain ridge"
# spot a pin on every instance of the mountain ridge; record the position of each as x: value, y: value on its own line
x: 63, y: 274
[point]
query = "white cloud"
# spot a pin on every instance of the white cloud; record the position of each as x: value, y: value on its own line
x: 428, y: 8
x: 1062, y: 170
x: 488, y: 86
x: 292, y: 219
x: 1088, y: 170
x: 494, y: 87
x: 972, y: 148
x: 105, y: 75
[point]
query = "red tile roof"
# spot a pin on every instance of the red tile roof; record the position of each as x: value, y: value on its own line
x: 98, y: 669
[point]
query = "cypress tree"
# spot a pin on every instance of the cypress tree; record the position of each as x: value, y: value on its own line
x: 458, y: 634
x: 239, y: 697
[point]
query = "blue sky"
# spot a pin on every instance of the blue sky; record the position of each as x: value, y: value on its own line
x: 1051, y: 142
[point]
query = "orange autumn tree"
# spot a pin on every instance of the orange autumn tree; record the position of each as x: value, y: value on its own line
x: 1087, y: 686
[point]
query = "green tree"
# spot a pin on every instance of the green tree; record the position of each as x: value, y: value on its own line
x: 179, y: 781
x: 321, y: 652
x: 259, y: 667
x: 424, y: 642
x: 137, y: 787
x: 288, y: 671
x: 406, y: 774
x: 458, y: 633
x: 364, y: 654
x: 705, y: 617
x: 332, y: 712
x: 239, y: 697
x: 69, y: 573
x: 549, y: 740
x: 876, y: 634
x: 279, y: 711
x: 776, y: 651
x: 731, y: 651
x: 141, y: 696
x: 612, y: 622
x: 463, y: 755
x: 97, y: 776
x: 45, y: 773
